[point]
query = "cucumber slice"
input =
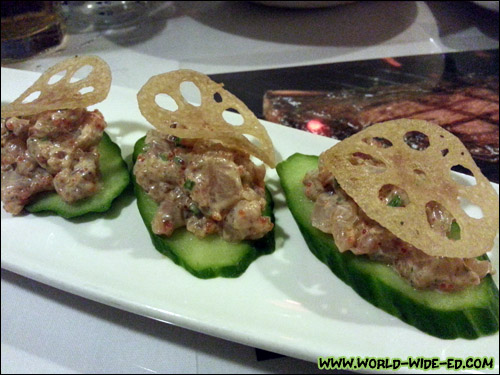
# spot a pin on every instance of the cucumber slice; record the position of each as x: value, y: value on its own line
x: 469, y: 314
x: 114, y: 178
x: 208, y: 257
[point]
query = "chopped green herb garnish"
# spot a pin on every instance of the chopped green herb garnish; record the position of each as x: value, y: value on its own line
x: 178, y: 141
x: 454, y: 233
x: 188, y: 185
x: 194, y: 209
x: 163, y: 157
x: 395, y: 201
x: 178, y: 160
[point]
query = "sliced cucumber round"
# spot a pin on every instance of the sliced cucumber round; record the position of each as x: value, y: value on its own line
x: 469, y: 314
x: 206, y: 257
x: 114, y: 179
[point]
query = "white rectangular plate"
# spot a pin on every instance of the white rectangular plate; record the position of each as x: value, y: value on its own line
x: 287, y: 302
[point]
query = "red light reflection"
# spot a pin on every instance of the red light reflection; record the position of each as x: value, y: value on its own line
x: 317, y: 127
x: 393, y: 62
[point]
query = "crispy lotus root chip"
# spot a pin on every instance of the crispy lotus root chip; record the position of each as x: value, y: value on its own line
x: 205, y: 121
x: 64, y: 94
x: 382, y: 155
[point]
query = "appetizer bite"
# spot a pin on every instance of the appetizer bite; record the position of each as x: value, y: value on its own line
x: 55, y: 154
x: 385, y: 214
x: 202, y: 198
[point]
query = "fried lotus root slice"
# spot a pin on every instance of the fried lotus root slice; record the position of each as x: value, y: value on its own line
x: 424, y: 174
x: 205, y: 121
x: 64, y: 94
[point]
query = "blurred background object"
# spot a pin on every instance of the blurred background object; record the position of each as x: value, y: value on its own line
x: 29, y: 27
x: 303, y: 4
x: 458, y: 91
x: 491, y: 5
x: 83, y: 16
x: 463, y: 102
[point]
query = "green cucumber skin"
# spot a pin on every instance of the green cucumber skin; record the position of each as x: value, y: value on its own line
x: 467, y: 314
x: 241, y: 254
x: 115, y: 178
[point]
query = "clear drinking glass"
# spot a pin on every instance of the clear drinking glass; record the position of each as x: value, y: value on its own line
x: 84, y: 16
x: 30, y: 27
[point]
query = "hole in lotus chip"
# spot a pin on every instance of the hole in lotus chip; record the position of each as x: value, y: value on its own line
x: 445, y: 152
x: 465, y: 180
x: 205, y: 121
x: 81, y: 73
x: 233, y: 117
x: 166, y: 102
x: 420, y: 174
x: 32, y: 97
x: 425, y: 177
x: 393, y: 196
x: 439, y: 218
x: 217, y: 98
x: 57, y: 77
x: 378, y: 142
x: 369, y: 162
x: 86, y: 90
x: 191, y: 93
x: 417, y: 140
x: 254, y: 140
x: 472, y: 210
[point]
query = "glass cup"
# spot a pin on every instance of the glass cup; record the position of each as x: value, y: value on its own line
x: 88, y: 16
x: 29, y: 27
